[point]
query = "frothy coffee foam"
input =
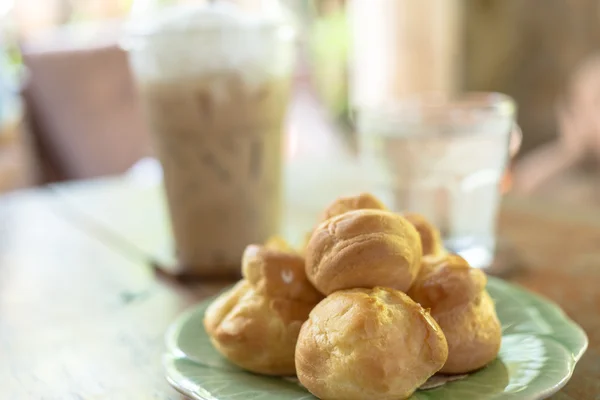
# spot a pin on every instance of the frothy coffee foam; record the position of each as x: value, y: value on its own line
x: 197, y: 40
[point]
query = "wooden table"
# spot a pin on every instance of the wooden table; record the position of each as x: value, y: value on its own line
x: 82, y: 313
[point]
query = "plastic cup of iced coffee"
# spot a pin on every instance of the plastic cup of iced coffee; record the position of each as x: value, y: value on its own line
x: 214, y: 82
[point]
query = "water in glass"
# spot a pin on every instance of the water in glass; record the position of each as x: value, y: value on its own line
x: 445, y: 161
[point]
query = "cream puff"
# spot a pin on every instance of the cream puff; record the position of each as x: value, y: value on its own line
x: 374, y: 344
x: 362, y: 201
x: 278, y: 243
x: 342, y: 205
x: 255, y: 325
x: 276, y: 273
x: 431, y: 241
x: 456, y: 296
x: 363, y: 249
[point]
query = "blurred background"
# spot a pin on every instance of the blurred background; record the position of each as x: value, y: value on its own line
x: 68, y: 108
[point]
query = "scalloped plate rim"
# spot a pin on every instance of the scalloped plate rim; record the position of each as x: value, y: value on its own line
x: 547, y: 304
x: 174, y: 353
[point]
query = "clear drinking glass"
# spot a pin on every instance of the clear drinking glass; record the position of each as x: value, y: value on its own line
x: 443, y: 157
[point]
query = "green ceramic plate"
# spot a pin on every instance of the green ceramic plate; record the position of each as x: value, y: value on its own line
x: 540, y: 346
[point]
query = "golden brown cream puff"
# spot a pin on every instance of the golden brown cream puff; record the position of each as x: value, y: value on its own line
x: 276, y: 273
x: 368, y: 344
x: 256, y: 323
x: 362, y: 201
x: 255, y: 332
x: 363, y: 249
x: 431, y: 241
x: 342, y: 205
x: 278, y: 243
x: 455, y: 293
x: 430, y: 262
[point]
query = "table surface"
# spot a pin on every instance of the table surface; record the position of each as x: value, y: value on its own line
x: 83, y: 313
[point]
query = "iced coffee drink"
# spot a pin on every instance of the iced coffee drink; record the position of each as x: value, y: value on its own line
x: 215, y: 82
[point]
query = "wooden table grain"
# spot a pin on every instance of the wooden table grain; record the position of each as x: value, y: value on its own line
x: 83, y: 314
x: 79, y: 319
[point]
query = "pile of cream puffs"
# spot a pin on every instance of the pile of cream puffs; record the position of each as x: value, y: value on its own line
x: 369, y: 309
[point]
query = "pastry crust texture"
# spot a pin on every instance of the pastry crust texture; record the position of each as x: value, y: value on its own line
x: 256, y: 323
x: 455, y: 293
x: 431, y: 241
x: 374, y: 344
x: 342, y: 205
x: 361, y: 201
x: 279, y: 274
x: 363, y: 249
